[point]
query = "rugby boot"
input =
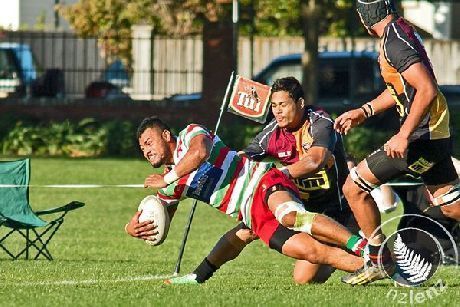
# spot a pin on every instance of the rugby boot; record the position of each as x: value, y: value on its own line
x: 186, y: 279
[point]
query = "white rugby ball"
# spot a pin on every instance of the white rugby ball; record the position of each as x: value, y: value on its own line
x: 153, y: 210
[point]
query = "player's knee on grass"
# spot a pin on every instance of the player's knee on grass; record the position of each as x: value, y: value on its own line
x: 311, y: 273
x: 301, y: 279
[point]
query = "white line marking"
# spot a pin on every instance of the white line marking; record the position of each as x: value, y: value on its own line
x: 88, y: 281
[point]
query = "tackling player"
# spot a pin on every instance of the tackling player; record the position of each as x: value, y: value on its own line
x: 422, y: 145
x: 264, y: 198
x: 303, y: 139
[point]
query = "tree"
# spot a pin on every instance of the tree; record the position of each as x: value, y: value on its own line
x: 320, y: 16
x: 111, y: 21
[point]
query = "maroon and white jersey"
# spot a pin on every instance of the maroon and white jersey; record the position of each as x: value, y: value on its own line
x: 319, y: 192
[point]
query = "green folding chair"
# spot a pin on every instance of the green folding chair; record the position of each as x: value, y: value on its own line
x: 17, y: 215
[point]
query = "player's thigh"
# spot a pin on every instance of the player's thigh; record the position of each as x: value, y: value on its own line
x: 279, y: 198
x: 307, y: 272
x: 304, y: 247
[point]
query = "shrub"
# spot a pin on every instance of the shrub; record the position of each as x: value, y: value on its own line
x: 83, y: 139
x: 361, y: 141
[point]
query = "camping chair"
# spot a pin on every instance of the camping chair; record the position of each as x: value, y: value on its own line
x: 17, y: 215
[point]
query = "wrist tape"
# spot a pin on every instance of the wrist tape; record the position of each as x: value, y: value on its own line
x: 170, y: 177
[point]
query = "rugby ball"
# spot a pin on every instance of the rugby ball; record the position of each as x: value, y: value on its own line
x: 153, y: 210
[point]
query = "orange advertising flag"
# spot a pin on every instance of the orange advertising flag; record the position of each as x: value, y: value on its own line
x: 250, y: 99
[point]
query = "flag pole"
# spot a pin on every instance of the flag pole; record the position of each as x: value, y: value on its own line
x: 192, y: 210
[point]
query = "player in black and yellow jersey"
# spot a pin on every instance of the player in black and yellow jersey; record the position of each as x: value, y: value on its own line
x: 422, y: 145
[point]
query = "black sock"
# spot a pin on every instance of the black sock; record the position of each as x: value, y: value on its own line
x: 204, y: 271
x: 384, y: 258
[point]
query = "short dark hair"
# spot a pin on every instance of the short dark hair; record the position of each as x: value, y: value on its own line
x: 290, y: 85
x: 151, y: 122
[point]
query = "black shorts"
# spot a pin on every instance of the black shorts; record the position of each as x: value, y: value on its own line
x: 430, y: 159
x: 418, y: 214
x: 280, y: 236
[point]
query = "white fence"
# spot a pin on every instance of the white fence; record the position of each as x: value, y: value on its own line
x: 164, y: 66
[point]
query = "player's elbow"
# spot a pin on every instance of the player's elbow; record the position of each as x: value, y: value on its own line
x: 316, y: 163
x: 429, y: 92
x: 201, y: 155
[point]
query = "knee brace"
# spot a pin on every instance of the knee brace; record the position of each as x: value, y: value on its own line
x: 303, y: 220
x: 448, y: 198
x: 362, y: 183
x: 286, y: 208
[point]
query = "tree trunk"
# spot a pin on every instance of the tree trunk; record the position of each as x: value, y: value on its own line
x: 217, y: 68
x: 310, y: 14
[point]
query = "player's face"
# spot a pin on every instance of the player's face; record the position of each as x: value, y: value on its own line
x: 154, y: 146
x: 288, y: 113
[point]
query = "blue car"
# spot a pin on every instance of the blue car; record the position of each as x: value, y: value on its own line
x: 345, y: 79
x: 19, y: 76
x: 17, y: 69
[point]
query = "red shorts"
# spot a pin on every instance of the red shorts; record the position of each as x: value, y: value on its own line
x: 263, y: 221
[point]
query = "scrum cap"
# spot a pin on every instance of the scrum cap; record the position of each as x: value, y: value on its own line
x: 373, y: 11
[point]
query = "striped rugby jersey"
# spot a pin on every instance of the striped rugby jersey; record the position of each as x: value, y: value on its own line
x: 225, y: 181
x: 401, y: 47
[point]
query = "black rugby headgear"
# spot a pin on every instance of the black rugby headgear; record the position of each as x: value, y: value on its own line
x: 373, y: 11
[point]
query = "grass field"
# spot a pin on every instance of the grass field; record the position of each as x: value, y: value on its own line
x: 97, y: 264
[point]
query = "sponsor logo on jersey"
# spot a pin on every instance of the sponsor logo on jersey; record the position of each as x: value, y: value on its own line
x: 284, y: 154
x: 319, y: 181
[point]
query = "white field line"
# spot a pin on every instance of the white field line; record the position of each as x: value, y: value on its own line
x: 73, y: 186
x: 87, y: 281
